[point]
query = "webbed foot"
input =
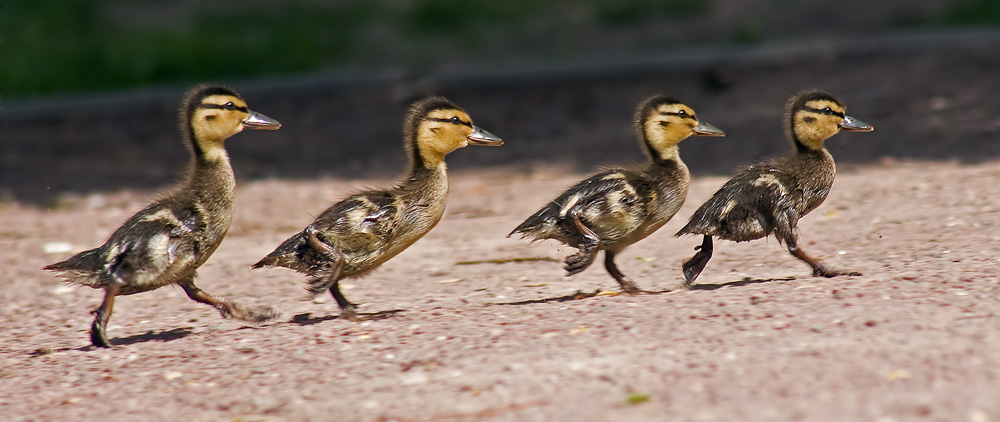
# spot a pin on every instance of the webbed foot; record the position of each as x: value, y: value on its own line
x: 692, y: 268
x: 97, y: 337
x: 821, y: 270
x: 249, y: 313
x: 350, y: 313
x: 629, y: 287
x: 581, y: 260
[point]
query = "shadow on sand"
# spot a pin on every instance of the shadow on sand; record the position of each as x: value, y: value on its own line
x: 744, y: 282
x: 580, y: 294
x: 308, y: 319
x: 170, y: 335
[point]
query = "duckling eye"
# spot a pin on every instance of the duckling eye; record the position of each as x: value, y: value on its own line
x: 682, y: 113
x: 828, y: 109
x: 456, y: 120
x: 229, y: 106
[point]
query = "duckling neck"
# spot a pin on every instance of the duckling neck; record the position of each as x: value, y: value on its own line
x: 669, y: 173
x: 425, y: 193
x: 815, y: 170
x: 671, y: 153
x: 428, y: 175
x: 213, y: 182
x: 802, y: 148
x: 669, y: 168
x: 806, y: 153
x: 806, y: 140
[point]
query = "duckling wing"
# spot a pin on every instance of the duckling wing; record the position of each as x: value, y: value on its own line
x: 747, y: 206
x: 358, y: 225
x: 611, y: 203
x: 361, y: 223
x: 152, y: 249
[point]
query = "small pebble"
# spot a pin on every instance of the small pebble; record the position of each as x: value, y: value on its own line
x: 50, y: 248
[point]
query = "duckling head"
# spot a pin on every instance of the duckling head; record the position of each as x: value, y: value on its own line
x: 815, y: 116
x: 663, y: 122
x: 435, y: 127
x: 211, y: 114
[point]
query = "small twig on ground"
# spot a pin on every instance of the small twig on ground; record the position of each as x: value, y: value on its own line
x: 485, y: 413
x: 509, y: 260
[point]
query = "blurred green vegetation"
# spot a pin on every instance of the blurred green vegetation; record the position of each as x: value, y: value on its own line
x: 973, y: 13
x: 624, y: 12
x: 66, y: 46
x: 60, y: 46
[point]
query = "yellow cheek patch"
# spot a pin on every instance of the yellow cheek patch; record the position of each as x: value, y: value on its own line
x: 812, y: 128
x: 439, y: 134
x: 669, y: 124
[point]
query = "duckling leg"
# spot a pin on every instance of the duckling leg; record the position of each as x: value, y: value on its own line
x: 589, y: 245
x: 693, y: 267
x: 791, y: 239
x: 628, y: 286
x: 226, y: 307
x: 347, y: 309
x: 103, y: 313
x: 336, y: 264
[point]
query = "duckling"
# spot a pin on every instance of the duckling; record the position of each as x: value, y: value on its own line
x: 618, y: 207
x: 167, y: 241
x: 771, y: 197
x: 356, y: 235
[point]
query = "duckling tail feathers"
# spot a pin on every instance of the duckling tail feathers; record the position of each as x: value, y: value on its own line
x: 539, y: 226
x: 82, y: 268
x: 285, y: 255
x: 704, y: 221
x: 692, y: 228
x: 296, y: 253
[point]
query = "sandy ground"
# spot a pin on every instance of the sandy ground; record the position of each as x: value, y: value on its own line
x: 915, y: 338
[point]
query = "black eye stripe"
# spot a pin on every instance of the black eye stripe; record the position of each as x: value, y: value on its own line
x: 679, y: 114
x: 449, y: 120
x: 223, y: 107
x: 824, y: 111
